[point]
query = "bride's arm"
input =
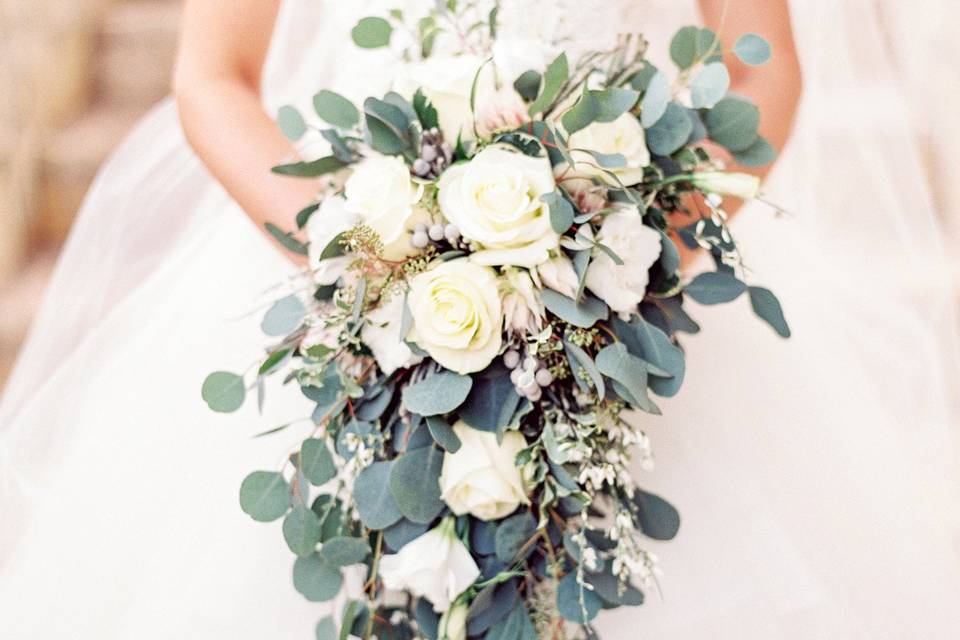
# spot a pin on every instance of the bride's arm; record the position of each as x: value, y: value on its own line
x: 775, y: 86
x: 217, y: 86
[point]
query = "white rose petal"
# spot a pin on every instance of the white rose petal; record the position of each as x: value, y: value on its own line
x: 623, y: 136
x: 381, y: 333
x: 436, y: 566
x: 482, y: 477
x: 331, y: 219
x: 457, y: 315
x: 495, y: 202
x: 623, y: 287
x: 522, y: 310
x: 558, y: 274
x: 447, y: 81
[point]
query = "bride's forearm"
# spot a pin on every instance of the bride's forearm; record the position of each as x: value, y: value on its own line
x: 239, y: 142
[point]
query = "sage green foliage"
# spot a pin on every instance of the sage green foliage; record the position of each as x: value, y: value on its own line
x: 223, y: 391
x: 265, y: 496
x: 437, y: 394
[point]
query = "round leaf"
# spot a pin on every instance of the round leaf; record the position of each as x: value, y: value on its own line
x: 715, y: 287
x: 316, y: 579
x: 766, y: 305
x: 343, y: 551
x: 670, y: 132
x: 733, y: 123
x: 710, y: 85
x: 658, y: 518
x: 223, y: 391
x: 284, y: 316
x: 372, y: 33
x: 335, y: 109
x: 415, y: 484
x: 264, y: 496
x: 752, y: 49
x: 291, y: 123
x: 371, y: 492
x: 512, y: 534
x: 655, y: 100
x: 301, y: 530
x: 316, y: 462
x: 437, y: 394
x: 759, y: 154
x: 575, y: 602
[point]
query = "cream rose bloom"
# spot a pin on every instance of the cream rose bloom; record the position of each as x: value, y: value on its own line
x: 436, y: 566
x: 380, y: 193
x: 447, y: 80
x: 457, y: 315
x: 623, y: 136
x: 622, y: 287
x: 331, y: 219
x: 381, y: 333
x: 494, y: 199
x: 482, y: 477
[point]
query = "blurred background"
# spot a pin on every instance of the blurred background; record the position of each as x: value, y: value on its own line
x: 83, y: 71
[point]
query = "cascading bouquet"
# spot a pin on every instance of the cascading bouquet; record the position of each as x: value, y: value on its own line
x: 494, y: 295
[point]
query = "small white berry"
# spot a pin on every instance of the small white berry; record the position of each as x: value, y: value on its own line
x: 420, y: 228
x: 530, y: 363
x: 421, y: 167
x: 515, y: 376
x: 428, y: 153
x: 452, y: 233
x: 419, y: 240
x: 544, y: 378
x: 535, y: 395
x: 436, y: 232
x: 511, y: 359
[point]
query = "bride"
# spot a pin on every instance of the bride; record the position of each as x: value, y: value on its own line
x: 817, y: 477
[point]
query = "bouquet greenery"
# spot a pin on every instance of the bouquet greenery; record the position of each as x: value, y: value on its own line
x: 494, y: 300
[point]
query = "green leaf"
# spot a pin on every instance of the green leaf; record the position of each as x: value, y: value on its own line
x: 426, y: 112
x: 655, y: 100
x: 402, y: 533
x: 492, y: 401
x: 437, y: 394
x: 710, y: 85
x: 554, y: 78
x: 387, y: 126
x: 443, y: 434
x: 608, y: 587
x: 733, y: 123
x: 301, y: 530
x: 580, y: 314
x: 654, y: 346
x: 715, y: 287
x: 291, y: 123
x: 583, y: 113
x: 614, y: 102
x: 415, y: 484
x: 581, y: 358
x: 617, y: 363
x: 327, y: 629
x: 372, y: 33
x: 490, y: 606
x: 273, y: 361
x: 528, y: 84
x: 223, y: 391
x: 312, y: 169
x: 516, y: 626
x: 759, y: 154
x: 265, y: 496
x: 316, y: 462
x: 283, y: 317
x: 575, y: 602
x: 316, y: 579
x: 766, y: 305
x: 670, y: 132
x: 303, y: 216
x: 336, y: 110
x: 287, y: 240
x: 561, y: 211
x: 371, y: 493
x: 683, y: 47
x: 752, y: 49
x: 658, y: 519
x: 343, y: 551
x: 512, y: 534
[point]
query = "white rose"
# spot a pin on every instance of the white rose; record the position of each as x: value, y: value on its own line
x: 381, y: 333
x: 482, y: 477
x: 453, y: 623
x: 623, y: 136
x: 495, y: 202
x: 447, y: 80
x: 331, y: 219
x: 558, y: 274
x: 436, y: 566
x: 380, y: 193
x: 622, y: 287
x: 503, y: 110
x: 738, y: 185
x: 522, y: 309
x: 457, y: 315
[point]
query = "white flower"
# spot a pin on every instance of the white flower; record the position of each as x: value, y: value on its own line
x: 622, y: 287
x: 380, y: 193
x: 738, y: 185
x: 522, y: 309
x: 495, y: 202
x: 331, y: 219
x: 558, y: 274
x: 381, y: 333
x: 624, y: 136
x: 457, y: 315
x: 436, y: 566
x: 447, y: 80
x: 482, y: 477
x: 503, y: 110
x: 453, y: 623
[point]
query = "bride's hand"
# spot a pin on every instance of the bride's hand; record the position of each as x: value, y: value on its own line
x: 774, y: 87
x: 223, y: 47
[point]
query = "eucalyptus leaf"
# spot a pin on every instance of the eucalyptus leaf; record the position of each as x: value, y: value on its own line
x: 316, y: 579
x: 284, y: 316
x: 582, y: 114
x: 581, y: 358
x: 766, y: 305
x: 554, y: 78
x: 608, y: 587
x: 710, y: 85
x: 528, y: 84
x: 733, y: 123
x: 670, y: 132
x: 343, y: 551
x: 617, y: 363
x: 316, y: 462
x: 651, y: 344
x: 561, y: 211
x: 336, y: 110
x: 655, y: 100
x: 658, y: 519
x: 265, y: 496
x: 575, y: 602
x: 715, y: 287
x: 415, y: 484
x: 512, y: 534
x: 371, y: 492
x: 403, y: 532
x: 492, y: 604
x: 437, y: 394
x: 224, y: 392
x: 291, y: 123
x: 372, y: 33
x: 443, y: 434
x: 759, y: 154
x: 312, y: 169
x: 752, y: 49
x: 583, y: 314
x: 327, y: 629
x: 301, y: 530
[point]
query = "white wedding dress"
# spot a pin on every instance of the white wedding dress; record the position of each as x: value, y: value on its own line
x: 817, y: 477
